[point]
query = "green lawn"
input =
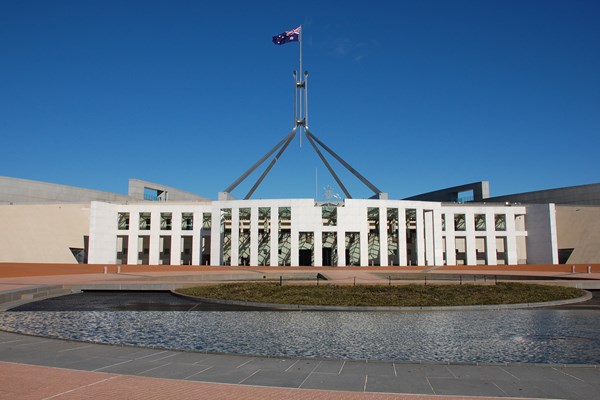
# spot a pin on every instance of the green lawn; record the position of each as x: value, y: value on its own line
x: 407, y: 296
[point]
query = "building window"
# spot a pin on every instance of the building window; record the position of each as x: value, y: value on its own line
x: 443, y: 222
x: 206, y: 221
x: 459, y: 222
x: 165, y: 221
x: 144, y: 221
x: 123, y: 221
x: 187, y: 221
x: 480, y: 222
x: 500, y: 220
x: 329, y: 215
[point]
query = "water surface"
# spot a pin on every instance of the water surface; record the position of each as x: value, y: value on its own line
x: 508, y: 336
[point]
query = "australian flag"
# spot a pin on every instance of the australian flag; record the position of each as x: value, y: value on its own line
x: 289, y: 36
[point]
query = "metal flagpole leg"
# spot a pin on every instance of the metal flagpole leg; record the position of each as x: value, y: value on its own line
x: 331, y: 171
x: 344, y: 163
x: 289, y: 138
x: 258, y: 163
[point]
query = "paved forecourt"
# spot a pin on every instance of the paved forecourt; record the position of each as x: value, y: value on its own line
x: 118, y: 370
x: 33, y: 367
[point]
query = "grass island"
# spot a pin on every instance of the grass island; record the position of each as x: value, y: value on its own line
x: 412, y: 295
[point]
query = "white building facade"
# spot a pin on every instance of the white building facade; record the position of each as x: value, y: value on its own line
x: 302, y: 232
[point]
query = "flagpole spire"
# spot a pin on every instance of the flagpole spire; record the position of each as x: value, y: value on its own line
x: 300, y: 126
x: 300, y: 40
x: 300, y: 82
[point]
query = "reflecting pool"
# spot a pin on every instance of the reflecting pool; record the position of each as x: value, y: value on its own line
x: 509, y: 336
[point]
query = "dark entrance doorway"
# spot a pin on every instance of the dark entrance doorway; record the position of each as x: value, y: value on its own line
x: 327, y: 256
x: 305, y: 257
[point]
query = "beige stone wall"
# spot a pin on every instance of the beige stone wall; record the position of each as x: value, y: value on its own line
x: 42, y: 233
x: 578, y: 227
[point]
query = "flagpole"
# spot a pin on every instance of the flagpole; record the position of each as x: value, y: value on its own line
x: 300, y: 81
x: 300, y: 37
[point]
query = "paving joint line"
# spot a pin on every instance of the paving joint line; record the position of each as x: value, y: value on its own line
x: 569, y: 375
x: 152, y: 369
x: 206, y: 359
x: 81, y: 387
x: 309, y: 374
x: 365, y: 385
x: 342, y: 367
x: 394, y: 365
x: 288, y: 368
x: 75, y: 348
x: 150, y: 355
x: 502, y: 390
x: 249, y: 361
x: 248, y: 377
x: 451, y: 373
x: 514, y: 376
x: 12, y: 341
x: 196, y: 373
x: 162, y: 358
x: 430, y: 385
x: 25, y: 344
x: 112, y: 365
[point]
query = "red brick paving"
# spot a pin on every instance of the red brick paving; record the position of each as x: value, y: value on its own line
x: 20, y: 381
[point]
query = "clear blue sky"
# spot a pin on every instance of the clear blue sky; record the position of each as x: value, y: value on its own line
x: 416, y: 95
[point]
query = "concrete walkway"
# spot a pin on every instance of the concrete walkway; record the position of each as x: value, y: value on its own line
x: 42, y: 368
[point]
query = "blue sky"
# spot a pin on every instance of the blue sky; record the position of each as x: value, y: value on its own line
x: 416, y: 95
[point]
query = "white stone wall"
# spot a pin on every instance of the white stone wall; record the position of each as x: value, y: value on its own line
x: 490, y: 233
x: 306, y: 216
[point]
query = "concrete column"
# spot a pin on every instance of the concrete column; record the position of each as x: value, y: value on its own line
x: 420, y: 238
x: 196, y: 247
x: 490, y: 248
x: 318, y: 249
x: 429, y: 244
x: 235, y: 236
x: 490, y: 239
x: 154, y: 233
x: 511, y: 240
x: 254, y: 236
x: 216, y: 240
x: 450, y: 239
x: 274, y: 238
x: 402, y: 237
x: 341, y: 248
x: 132, y: 250
x: 383, y: 238
x: 471, y: 242
x: 176, y: 248
x: 295, y: 239
x: 511, y: 250
x: 438, y: 256
x: 364, y: 245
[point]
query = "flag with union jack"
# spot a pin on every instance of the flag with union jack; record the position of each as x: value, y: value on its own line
x: 289, y: 36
